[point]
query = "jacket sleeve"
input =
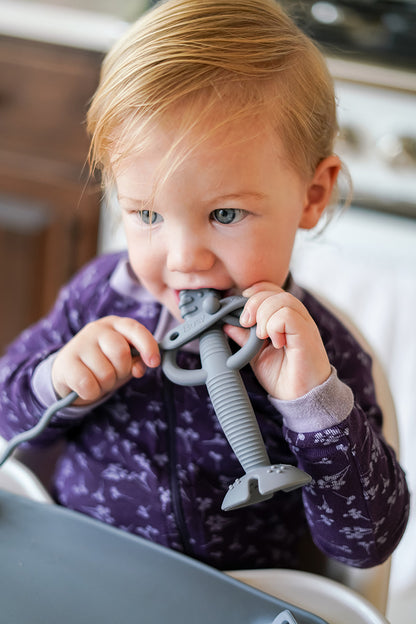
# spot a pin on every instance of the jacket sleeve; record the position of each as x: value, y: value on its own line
x: 357, y: 503
x: 20, y: 407
x: 77, y: 303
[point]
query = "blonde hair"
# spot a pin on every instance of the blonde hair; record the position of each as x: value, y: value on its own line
x: 245, y: 58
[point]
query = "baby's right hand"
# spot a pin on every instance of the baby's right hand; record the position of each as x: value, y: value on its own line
x: 98, y: 359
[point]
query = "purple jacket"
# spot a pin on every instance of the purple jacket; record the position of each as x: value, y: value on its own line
x: 152, y: 459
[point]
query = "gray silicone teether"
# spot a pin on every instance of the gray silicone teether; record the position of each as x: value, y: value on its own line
x: 203, y: 312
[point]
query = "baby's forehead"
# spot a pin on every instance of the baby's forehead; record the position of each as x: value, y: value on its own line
x: 230, y: 161
x: 186, y: 128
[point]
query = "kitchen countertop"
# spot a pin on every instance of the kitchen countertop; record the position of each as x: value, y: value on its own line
x: 97, y: 24
x: 66, y: 23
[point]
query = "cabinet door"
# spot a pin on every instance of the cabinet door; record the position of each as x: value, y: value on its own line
x: 44, y: 94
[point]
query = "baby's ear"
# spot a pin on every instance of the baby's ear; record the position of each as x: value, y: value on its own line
x: 319, y: 191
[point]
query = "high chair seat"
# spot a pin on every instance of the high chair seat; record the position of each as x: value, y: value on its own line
x: 17, y: 478
x: 333, y: 601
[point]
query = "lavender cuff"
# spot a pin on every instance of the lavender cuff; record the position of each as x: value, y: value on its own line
x: 322, y: 407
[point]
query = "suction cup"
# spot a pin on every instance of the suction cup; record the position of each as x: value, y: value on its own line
x: 261, y: 483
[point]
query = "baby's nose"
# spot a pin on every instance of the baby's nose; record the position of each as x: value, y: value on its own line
x: 189, y: 255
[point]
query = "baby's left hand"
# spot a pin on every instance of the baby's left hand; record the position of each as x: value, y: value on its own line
x: 293, y: 360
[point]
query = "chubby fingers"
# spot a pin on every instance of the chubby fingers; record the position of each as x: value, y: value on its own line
x: 278, y: 315
x: 303, y: 363
x: 120, y: 347
x: 99, y: 358
x: 256, y: 294
x: 259, y: 287
x: 141, y: 343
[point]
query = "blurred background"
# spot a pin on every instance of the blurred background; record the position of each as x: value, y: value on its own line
x: 365, y: 260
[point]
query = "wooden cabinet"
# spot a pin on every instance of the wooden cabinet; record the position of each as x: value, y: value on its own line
x: 49, y: 208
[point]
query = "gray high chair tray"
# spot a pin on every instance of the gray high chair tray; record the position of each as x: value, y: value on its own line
x: 57, y: 565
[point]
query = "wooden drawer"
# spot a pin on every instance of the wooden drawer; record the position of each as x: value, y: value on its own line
x: 44, y: 94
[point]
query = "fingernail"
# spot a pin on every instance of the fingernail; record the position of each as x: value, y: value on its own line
x: 138, y: 369
x: 245, y: 317
x: 154, y: 361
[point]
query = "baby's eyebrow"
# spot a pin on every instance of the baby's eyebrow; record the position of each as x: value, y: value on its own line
x: 134, y: 200
x: 128, y: 198
x: 238, y: 195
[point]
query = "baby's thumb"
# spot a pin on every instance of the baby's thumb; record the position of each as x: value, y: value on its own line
x: 238, y: 334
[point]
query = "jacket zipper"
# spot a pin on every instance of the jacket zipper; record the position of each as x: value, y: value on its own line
x: 173, y: 470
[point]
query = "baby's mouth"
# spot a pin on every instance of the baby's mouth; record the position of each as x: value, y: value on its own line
x: 224, y: 293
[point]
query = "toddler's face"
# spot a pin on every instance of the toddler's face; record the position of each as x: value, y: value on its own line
x: 225, y: 218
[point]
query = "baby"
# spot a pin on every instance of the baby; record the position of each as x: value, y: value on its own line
x: 214, y: 122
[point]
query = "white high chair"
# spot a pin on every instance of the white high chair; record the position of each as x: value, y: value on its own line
x: 370, y: 583
x: 28, y: 474
x: 17, y: 478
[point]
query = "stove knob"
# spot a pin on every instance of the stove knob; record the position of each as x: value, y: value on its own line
x: 397, y: 150
x: 349, y: 139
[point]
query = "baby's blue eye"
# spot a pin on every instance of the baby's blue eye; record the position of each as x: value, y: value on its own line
x: 150, y: 217
x: 228, y: 215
